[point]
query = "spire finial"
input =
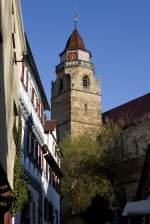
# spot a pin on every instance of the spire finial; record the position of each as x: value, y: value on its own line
x: 75, y: 21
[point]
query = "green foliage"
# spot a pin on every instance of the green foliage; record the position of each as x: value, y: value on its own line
x: 3, y: 203
x: 79, y: 186
x: 20, y: 190
x: 96, y: 162
x: 110, y: 152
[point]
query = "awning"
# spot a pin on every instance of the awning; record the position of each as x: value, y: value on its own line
x: 137, y: 208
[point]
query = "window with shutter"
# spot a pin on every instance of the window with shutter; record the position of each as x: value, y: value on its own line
x: 85, y: 81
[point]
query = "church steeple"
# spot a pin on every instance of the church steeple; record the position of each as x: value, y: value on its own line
x: 75, y: 92
x: 75, y: 48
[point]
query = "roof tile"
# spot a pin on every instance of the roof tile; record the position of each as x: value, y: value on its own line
x: 132, y: 110
x: 50, y: 125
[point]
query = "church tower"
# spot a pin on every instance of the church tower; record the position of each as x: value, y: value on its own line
x: 75, y: 101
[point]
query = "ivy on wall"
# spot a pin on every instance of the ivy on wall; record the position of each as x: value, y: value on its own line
x: 20, y: 191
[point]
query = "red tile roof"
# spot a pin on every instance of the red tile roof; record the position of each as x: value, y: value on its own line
x: 50, y: 125
x: 75, y: 42
x: 132, y: 110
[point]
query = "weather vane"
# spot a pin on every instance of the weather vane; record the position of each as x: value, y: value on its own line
x: 75, y: 18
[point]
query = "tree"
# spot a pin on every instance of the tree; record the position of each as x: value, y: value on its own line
x: 79, y: 186
x: 116, y: 158
x: 95, y: 162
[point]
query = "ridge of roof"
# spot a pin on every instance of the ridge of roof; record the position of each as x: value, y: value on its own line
x: 133, y: 109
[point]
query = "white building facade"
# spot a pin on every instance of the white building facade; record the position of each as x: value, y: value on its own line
x: 12, y: 49
x: 40, y: 152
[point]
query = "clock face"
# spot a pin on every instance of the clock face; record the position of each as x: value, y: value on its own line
x: 72, y: 56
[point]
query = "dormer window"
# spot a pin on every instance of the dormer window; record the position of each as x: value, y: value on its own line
x: 86, y: 81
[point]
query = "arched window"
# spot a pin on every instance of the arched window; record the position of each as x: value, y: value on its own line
x: 86, y: 81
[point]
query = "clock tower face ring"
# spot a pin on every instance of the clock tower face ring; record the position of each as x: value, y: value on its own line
x: 72, y: 56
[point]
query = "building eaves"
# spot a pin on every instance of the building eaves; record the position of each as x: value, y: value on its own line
x: 36, y: 75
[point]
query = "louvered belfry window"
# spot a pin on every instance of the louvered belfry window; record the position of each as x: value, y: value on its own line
x: 85, y: 81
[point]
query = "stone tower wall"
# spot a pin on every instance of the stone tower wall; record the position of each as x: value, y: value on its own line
x: 75, y: 107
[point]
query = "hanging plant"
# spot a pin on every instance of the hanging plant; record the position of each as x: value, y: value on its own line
x: 20, y: 190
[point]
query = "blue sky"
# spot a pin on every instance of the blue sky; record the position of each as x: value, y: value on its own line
x: 117, y: 32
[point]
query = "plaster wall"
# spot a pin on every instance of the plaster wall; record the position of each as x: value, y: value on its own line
x: 10, y: 19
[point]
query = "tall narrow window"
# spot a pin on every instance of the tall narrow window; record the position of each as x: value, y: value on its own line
x: 53, y: 180
x: 41, y: 111
x: 85, y: 81
x: 47, y: 170
x: 39, y: 155
x: 45, y: 209
x: 56, y: 214
x: 32, y: 144
x: 12, y: 10
x: 50, y: 175
x: 85, y: 108
x: 42, y: 161
x: 33, y: 95
x: 27, y: 139
x: 36, y: 150
x: 50, y: 211
x: 22, y: 75
x: 14, y: 47
x: 33, y: 213
x: 37, y: 105
x: 1, y: 40
x: 60, y: 84
x: 27, y: 80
